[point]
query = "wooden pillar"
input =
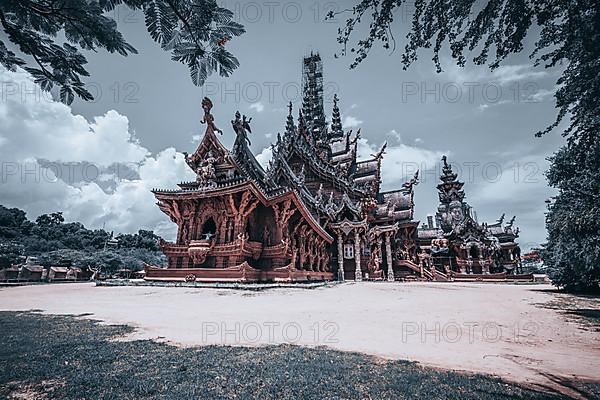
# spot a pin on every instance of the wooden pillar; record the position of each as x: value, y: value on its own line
x: 388, y: 257
x: 358, y: 271
x: 485, y: 267
x: 340, y: 240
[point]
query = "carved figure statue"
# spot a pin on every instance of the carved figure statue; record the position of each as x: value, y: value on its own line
x: 206, y: 171
x: 375, y: 261
x: 229, y: 230
x: 456, y: 212
x: 241, y: 126
x: 208, y: 118
x: 266, y: 236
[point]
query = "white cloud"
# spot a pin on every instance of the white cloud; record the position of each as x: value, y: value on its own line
x: 264, y: 157
x: 400, y: 161
x: 396, y: 135
x: 517, y: 188
x: 502, y: 75
x: 485, y: 106
x: 351, y: 122
x: 258, y: 107
x: 67, y: 137
x: 47, y: 130
x: 541, y: 95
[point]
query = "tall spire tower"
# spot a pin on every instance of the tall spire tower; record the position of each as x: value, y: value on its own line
x: 450, y: 189
x: 312, y: 103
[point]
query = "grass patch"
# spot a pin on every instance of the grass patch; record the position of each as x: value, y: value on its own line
x: 64, y: 357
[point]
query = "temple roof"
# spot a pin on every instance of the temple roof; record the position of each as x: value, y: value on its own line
x: 316, y: 163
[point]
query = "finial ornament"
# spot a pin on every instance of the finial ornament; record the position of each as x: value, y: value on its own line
x: 241, y: 126
x: 408, y: 186
x: 512, y: 221
x: 208, y: 118
x: 381, y: 152
x: 501, y: 219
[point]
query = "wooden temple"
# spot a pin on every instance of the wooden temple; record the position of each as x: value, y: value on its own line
x: 457, y: 246
x: 316, y: 213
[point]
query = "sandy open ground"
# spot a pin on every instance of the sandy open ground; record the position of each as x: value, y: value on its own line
x: 511, y: 331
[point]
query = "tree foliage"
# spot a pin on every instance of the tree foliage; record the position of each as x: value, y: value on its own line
x: 54, y: 242
x: 566, y: 33
x: 194, y: 31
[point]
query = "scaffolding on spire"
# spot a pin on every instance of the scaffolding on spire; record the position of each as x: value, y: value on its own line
x: 312, y: 103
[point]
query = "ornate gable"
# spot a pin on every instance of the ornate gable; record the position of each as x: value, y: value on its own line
x: 211, y: 161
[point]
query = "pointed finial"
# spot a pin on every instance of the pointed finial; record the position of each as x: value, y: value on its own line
x: 301, y: 122
x: 501, y: 219
x: 381, y: 152
x: 336, y: 121
x: 512, y: 221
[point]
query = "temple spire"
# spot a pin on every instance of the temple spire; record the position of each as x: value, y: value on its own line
x: 336, y: 120
x: 450, y: 189
x: 301, y: 122
x: 290, y: 128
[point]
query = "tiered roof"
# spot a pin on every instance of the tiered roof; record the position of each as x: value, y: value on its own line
x: 452, y: 196
x: 319, y: 164
x: 450, y: 189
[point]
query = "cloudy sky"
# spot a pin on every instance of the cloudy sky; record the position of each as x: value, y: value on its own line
x: 97, y: 161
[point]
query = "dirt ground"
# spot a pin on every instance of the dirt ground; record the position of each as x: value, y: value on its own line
x: 522, y: 333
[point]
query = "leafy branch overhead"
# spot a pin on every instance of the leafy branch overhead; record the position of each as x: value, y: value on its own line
x: 567, y: 32
x: 195, y: 32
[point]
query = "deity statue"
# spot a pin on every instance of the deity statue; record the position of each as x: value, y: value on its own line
x: 266, y: 236
x: 206, y: 171
x: 456, y: 213
x: 208, y: 117
x: 375, y: 261
x: 241, y: 126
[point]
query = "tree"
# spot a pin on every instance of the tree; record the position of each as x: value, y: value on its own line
x: 567, y: 34
x: 50, y: 219
x: 194, y: 31
x: 56, y: 242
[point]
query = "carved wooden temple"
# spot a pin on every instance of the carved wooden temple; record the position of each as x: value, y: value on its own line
x: 316, y: 212
x: 457, y: 245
